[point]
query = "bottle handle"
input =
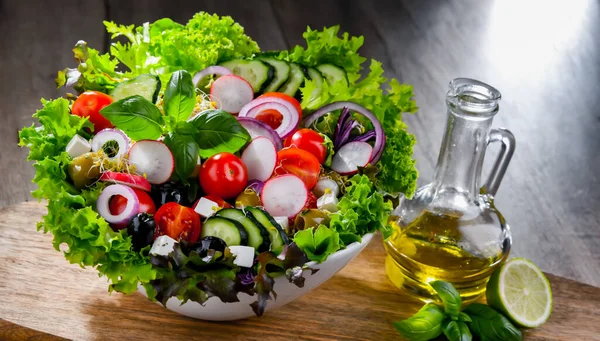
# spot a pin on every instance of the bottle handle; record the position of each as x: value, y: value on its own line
x: 507, y: 139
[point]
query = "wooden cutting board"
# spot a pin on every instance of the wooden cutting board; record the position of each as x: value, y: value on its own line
x: 40, y: 292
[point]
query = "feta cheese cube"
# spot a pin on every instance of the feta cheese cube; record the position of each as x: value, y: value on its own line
x: 78, y: 146
x: 326, y: 185
x: 162, y: 246
x: 328, y: 202
x: 283, y: 222
x: 244, y: 255
x: 206, y: 207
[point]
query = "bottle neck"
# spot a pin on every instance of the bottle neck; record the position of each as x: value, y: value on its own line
x: 461, y: 155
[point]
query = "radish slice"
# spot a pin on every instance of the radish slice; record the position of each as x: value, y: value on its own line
x: 130, y: 180
x: 284, y: 195
x: 231, y: 93
x: 107, y: 135
x: 260, y: 157
x: 258, y: 128
x: 211, y: 70
x: 102, y: 204
x: 351, y: 156
x: 153, y: 160
x: 288, y: 111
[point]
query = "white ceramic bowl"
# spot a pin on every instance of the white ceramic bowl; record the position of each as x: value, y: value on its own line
x: 215, y: 310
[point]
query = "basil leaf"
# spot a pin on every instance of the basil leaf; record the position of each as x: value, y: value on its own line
x: 182, y: 143
x: 456, y: 331
x: 426, y: 324
x: 450, y: 297
x: 464, y: 317
x: 136, y: 116
x: 488, y: 324
x: 218, y: 131
x: 180, y: 96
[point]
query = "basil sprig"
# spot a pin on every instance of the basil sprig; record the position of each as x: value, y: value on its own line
x: 204, y: 135
x: 431, y: 321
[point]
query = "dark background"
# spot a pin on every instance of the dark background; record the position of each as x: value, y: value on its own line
x: 543, y: 56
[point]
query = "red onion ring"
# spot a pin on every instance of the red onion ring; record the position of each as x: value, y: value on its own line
x: 110, y: 134
x: 211, y: 70
x: 102, y: 204
x: 285, y: 108
x: 258, y: 128
x: 256, y: 185
x: 379, y: 133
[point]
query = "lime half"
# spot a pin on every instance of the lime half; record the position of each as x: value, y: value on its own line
x: 521, y: 291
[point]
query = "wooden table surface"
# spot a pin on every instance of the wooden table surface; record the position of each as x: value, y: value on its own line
x: 41, y: 291
x: 543, y: 56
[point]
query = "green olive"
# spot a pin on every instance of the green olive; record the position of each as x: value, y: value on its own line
x: 248, y: 197
x: 84, y: 169
x: 310, y: 218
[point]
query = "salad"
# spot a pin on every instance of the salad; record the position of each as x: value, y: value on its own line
x: 196, y: 165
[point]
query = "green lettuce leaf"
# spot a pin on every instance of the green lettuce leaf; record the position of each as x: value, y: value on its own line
x: 95, y: 71
x: 362, y: 210
x: 318, y: 244
x: 87, y: 238
x: 204, y: 41
x: 387, y: 100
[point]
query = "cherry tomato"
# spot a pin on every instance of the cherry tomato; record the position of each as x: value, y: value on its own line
x: 273, y: 117
x: 300, y: 163
x: 88, y: 104
x: 118, y: 203
x: 178, y: 222
x: 223, y: 175
x: 309, y: 140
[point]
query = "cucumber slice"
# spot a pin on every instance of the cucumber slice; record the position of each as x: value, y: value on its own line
x: 314, y: 75
x: 294, y: 82
x: 147, y: 86
x: 333, y: 74
x: 232, y: 232
x: 276, y: 233
x: 282, y: 73
x: 257, y: 73
x: 258, y: 236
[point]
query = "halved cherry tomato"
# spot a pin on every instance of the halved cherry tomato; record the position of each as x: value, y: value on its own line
x: 118, y: 203
x: 178, y: 222
x: 273, y: 117
x: 300, y: 163
x: 223, y: 175
x: 309, y: 140
x: 88, y: 104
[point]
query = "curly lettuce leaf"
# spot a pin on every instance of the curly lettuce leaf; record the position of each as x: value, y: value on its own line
x: 362, y: 210
x: 88, y: 238
x: 326, y: 47
x: 95, y: 71
x: 205, y: 40
x: 387, y: 100
x: 160, y: 48
x: 318, y: 244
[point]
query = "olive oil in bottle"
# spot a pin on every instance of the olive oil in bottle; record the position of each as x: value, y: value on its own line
x: 428, y: 249
x: 450, y: 230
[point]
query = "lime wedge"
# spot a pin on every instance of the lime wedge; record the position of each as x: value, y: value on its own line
x: 521, y: 291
